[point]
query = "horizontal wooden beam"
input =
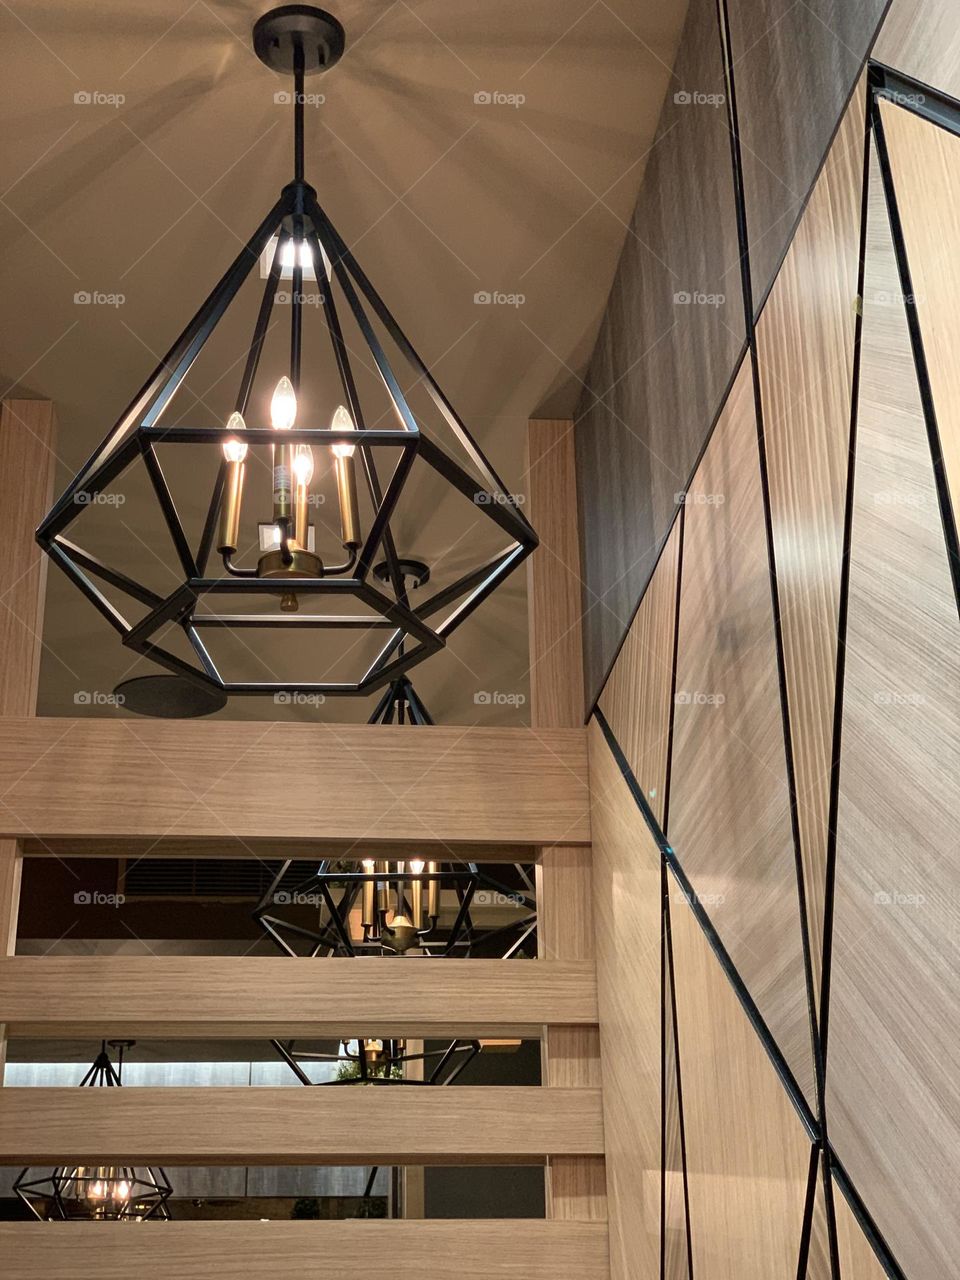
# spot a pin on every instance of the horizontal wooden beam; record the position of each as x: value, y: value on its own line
x: 441, y: 1250
x: 205, y: 996
x: 301, y: 850
x: 237, y: 780
x: 297, y: 1125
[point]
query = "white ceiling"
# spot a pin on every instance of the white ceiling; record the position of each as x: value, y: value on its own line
x: 438, y: 195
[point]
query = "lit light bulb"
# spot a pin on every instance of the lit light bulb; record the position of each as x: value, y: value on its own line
x: 288, y: 255
x: 303, y: 464
x: 283, y: 406
x: 122, y: 1190
x: 342, y: 422
x: 368, y: 866
x: 235, y: 450
x: 417, y: 867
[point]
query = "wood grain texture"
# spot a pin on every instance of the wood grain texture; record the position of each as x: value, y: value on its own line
x: 444, y: 1250
x: 627, y: 912
x: 676, y: 1253
x: 924, y: 160
x: 729, y: 798
x: 893, y: 1089
x: 818, y: 1256
x: 747, y: 1153
x: 805, y: 340
x: 306, y: 849
x: 556, y: 644
x: 636, y: 698
x: 262, y: 1126
x: 857, y: 1258
x: 190, y: 997
x: 794, y: 67
x: 570, y: 1056
x: 27, y: 463
x: 921, y: 38
x: 223, y: 779
x: 661, y: 364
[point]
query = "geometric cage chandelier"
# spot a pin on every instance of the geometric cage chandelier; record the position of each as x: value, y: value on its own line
x: 114, y: 1193
x: 262, y: 564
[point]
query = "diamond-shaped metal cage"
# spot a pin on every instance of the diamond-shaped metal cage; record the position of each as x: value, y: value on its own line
x: 410, y: 632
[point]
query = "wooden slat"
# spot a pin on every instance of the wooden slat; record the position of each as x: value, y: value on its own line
x: 576, y: 1188
x: 264, y: 1126
x: 556, y: 648
x: 442, y: 1250
x: 193, y: 996
x: 27, y: 464
x: 232, y: 780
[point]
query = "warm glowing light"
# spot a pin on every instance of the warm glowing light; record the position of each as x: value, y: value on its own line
x: 417, y: 867
x: 288, y: 255
x: 368, y: 865
x: 283, y: 406
x: 342, y: 422
x: 122, y: 1190
x: 235, y: 450
x: 303, y: 464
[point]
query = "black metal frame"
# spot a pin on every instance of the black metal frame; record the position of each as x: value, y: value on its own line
x: 448, y: 1062
x: 332, y: 935
x: 150, y: 1186
x: 297, y: 215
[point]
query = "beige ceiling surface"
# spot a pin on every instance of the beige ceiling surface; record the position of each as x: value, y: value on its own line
x: 140, y: 144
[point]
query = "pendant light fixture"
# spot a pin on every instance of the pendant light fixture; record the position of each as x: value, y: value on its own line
x: 264, y: 467
x: 105, y: 1193
x: 382, y: 906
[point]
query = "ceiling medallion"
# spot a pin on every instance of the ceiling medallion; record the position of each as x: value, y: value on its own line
x: 281, y: 566
x: 105, y: 1193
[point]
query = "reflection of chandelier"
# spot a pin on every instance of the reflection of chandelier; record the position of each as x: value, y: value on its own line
x: 315, y: 438
x: 382, y: 907
x: 376, y: 1061
x: 101, y: 1192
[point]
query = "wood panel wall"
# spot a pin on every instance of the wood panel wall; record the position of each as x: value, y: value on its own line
x: 27, y: 465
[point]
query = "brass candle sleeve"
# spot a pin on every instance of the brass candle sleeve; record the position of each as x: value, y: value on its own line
x: 282, y: 476
x: 230, y: 508
x: 300, y: 526
x: 416, y: 903
x: 349, y: 509
x: 433, y: 892
x: 367, y: 917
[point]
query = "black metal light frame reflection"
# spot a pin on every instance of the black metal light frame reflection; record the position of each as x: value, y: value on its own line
x: 65, y: 1192
x: 301, y: 40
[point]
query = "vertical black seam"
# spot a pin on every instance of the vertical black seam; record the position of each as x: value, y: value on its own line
x: 865, y: 1220
x: 919, y: 359
x: 733, y: 119
x: 747, y: 1002
x: 678, y: 1075
x: 808, y: 1209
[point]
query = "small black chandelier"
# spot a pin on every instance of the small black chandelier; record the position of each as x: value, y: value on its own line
x: 280, y: 558
x: 383, y: 1062
x: 104, y: 1193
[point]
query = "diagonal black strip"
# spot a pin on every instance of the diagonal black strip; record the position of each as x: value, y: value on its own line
x: 808, y: 1207
x: 675, y: 1065
x: 663, y: 1069
x: 826, y: 967
x: 774, y: 1053
x: 867, y: 1225
x: 919, y: 356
